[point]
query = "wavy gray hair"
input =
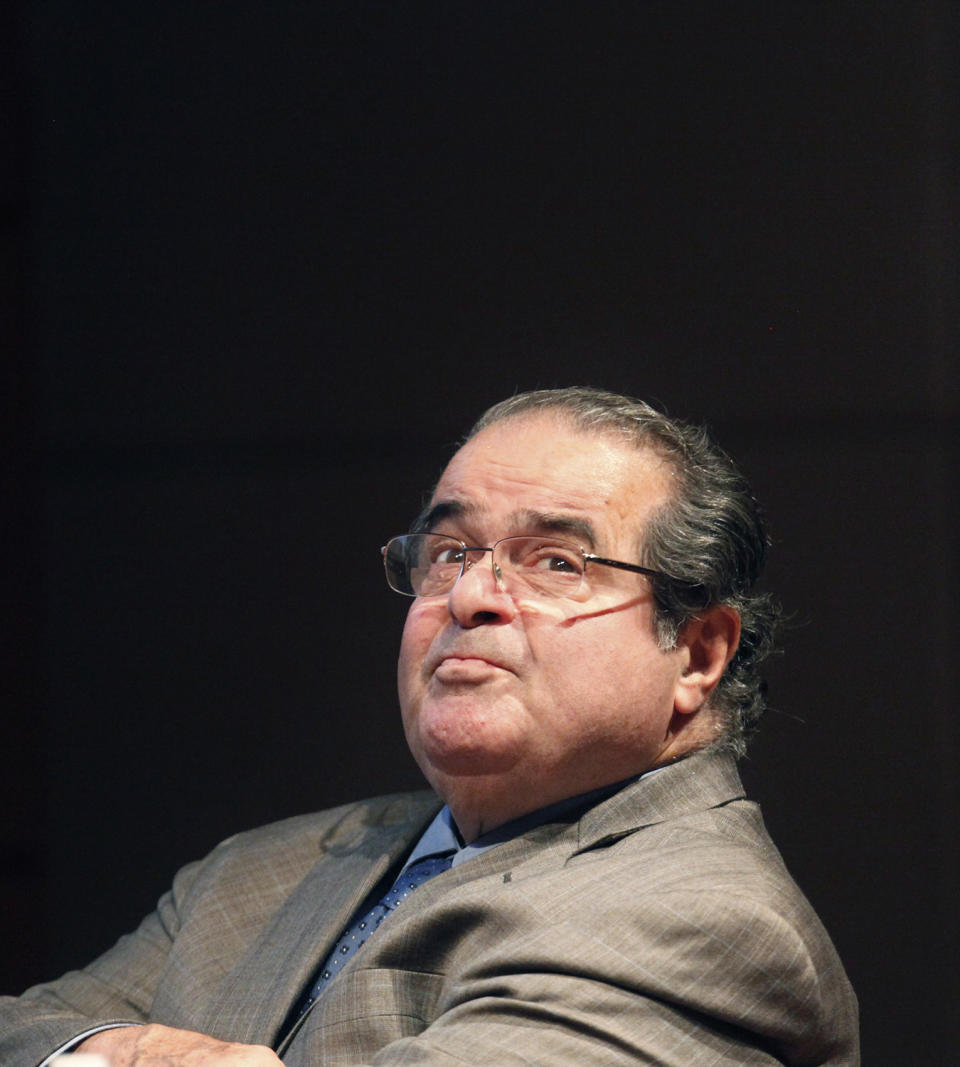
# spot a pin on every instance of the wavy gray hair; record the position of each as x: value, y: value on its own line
x: 709, y: 539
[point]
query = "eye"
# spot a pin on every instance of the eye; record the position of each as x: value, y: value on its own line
x: 442, y: 551
x: 547, y: 558
x: 557, y: 564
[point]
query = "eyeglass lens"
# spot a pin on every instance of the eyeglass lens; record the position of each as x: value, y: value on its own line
x: 431, y: 564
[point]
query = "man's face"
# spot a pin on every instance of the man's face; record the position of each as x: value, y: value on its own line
x: 511, y: 702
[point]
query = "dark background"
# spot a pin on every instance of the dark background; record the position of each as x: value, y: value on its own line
x: 263, y: 264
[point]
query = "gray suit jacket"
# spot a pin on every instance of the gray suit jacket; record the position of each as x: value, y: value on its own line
x: 661, y: 927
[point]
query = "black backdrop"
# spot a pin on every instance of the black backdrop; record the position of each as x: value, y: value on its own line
x: 262, y: 266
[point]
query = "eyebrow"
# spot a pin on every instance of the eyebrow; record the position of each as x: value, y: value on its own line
x: 527, y: 519
x: 573, y: 525
x: 443, y: 509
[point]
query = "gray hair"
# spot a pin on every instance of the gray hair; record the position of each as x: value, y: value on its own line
x: 708, y: 540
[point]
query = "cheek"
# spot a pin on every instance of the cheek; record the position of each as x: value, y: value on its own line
x: 612, y: 664
x: 419, y: 630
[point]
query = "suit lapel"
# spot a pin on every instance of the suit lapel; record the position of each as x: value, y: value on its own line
x: 257, y: 996
x: 703, y: 780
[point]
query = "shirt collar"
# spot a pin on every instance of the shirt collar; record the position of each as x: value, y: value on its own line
x: 441, y: 837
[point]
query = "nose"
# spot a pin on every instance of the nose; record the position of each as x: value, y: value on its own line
x: 479, y: 597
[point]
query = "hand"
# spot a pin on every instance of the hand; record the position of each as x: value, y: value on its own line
x: 163, y: 1046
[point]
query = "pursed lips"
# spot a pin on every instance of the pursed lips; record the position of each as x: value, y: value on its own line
x: 466, y: 657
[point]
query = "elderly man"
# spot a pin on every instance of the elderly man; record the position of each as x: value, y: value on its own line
x: 577, y: 673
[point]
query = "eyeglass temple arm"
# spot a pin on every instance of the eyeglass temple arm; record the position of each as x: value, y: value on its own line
x: 620, y: 565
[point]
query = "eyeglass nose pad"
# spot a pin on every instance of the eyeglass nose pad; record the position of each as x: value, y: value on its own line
x: 469, y: 563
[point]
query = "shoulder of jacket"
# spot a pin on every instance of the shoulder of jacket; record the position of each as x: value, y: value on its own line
x: 320, y: 828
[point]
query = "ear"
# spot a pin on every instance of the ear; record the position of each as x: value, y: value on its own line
x: 708, y: 643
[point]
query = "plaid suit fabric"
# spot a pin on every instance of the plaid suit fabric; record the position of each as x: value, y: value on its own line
x: 660, y: 927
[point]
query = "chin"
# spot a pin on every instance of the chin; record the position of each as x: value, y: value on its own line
x: 462, y: 752
x: 462, y: 736
x: 464, y: 759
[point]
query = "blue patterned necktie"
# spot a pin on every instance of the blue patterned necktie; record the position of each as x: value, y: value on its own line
x: 364, y: 924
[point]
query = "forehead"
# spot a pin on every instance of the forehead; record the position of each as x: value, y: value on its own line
x: 543, y: 465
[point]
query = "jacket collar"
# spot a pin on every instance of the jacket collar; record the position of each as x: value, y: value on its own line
x: 702, y: 780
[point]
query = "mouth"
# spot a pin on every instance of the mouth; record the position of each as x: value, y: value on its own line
x: 460, y: 664
x: 466, y: 667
